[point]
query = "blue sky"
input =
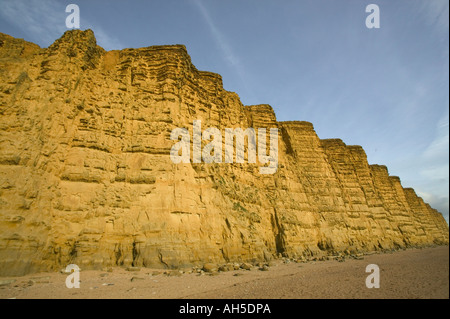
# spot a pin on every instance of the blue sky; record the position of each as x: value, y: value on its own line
x: 314, y: 60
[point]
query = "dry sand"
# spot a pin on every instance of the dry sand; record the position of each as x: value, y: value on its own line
x: 413, y: 273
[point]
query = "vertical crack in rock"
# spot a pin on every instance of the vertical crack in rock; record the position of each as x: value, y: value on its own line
x: 278, y: 233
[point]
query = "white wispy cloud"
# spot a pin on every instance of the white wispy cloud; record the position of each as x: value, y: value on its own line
x: 439, y: 147
x: 218, y: 36
x: 44, y: 21
x: 435, y: 168
x: 224, y: 46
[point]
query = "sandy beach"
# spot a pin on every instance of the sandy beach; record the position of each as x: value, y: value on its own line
x: 408, y: 274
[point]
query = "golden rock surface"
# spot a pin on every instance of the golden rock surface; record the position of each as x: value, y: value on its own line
x: 86, y: 177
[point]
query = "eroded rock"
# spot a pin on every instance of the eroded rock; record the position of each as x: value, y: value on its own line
x: 86, y: 176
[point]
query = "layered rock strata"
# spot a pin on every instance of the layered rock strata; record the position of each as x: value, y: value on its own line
x: 86, y: 177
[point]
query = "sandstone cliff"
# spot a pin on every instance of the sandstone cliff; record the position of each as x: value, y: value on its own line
x: 86, y: 178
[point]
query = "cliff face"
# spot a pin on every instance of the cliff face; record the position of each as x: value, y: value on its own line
x: 86, y: 177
